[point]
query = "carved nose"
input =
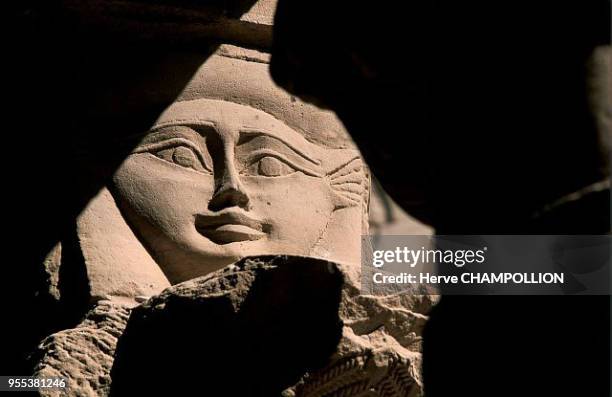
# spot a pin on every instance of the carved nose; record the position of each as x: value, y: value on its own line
x: 229, y: 193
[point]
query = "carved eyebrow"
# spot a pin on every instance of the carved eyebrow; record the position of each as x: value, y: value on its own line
x: 267, y: 152
x: 249, y: 131
x: 160, y: 133
x: 162, y: 138
x: 172, y: 142
x: 185, y: 122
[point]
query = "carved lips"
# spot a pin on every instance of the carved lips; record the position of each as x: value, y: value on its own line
x: 228, y: 227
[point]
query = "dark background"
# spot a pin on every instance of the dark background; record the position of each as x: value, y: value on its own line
x: 473, y: 115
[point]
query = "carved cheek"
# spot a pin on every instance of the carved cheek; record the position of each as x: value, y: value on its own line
x: 297, y: 206
x: 167, y: 195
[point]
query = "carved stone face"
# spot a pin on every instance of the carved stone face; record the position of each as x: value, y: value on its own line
x: 215, y: 181
x: 235, y: 167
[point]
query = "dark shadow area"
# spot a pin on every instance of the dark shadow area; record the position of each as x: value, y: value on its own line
x: 251, y: 332
x: 77, y: 85
x: 474, y: 116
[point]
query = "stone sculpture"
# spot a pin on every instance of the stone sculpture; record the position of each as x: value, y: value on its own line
x: 236, y: 168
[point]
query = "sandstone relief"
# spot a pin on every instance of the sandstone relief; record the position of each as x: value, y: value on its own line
x: 235, y: 168
x: 186, y: 209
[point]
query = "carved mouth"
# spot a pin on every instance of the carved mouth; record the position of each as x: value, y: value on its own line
x: 229, y: 227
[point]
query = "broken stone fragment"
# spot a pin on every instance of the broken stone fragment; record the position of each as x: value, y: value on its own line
x: 265, y: 326
x: 269, y: 326
x: 84, y: 354
x: 252, y: 329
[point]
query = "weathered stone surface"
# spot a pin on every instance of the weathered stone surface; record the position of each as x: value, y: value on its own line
x: 252, y: 329
x: 117, y: 264
x: 234, y: 167
x: 275, y: 323
x: 84, y: 355
x: 380, y: 350
x: 285, y: 325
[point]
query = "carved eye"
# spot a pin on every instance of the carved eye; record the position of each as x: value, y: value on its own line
x: 269, y: 166
x: 183, y: 155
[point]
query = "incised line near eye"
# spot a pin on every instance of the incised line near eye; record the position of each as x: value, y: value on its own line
x: 249, y: 131
x: 172, y: 143
x: 345, y: 168
x: 348, y: 181
x: 187, y: 122
x: 259, y: 154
